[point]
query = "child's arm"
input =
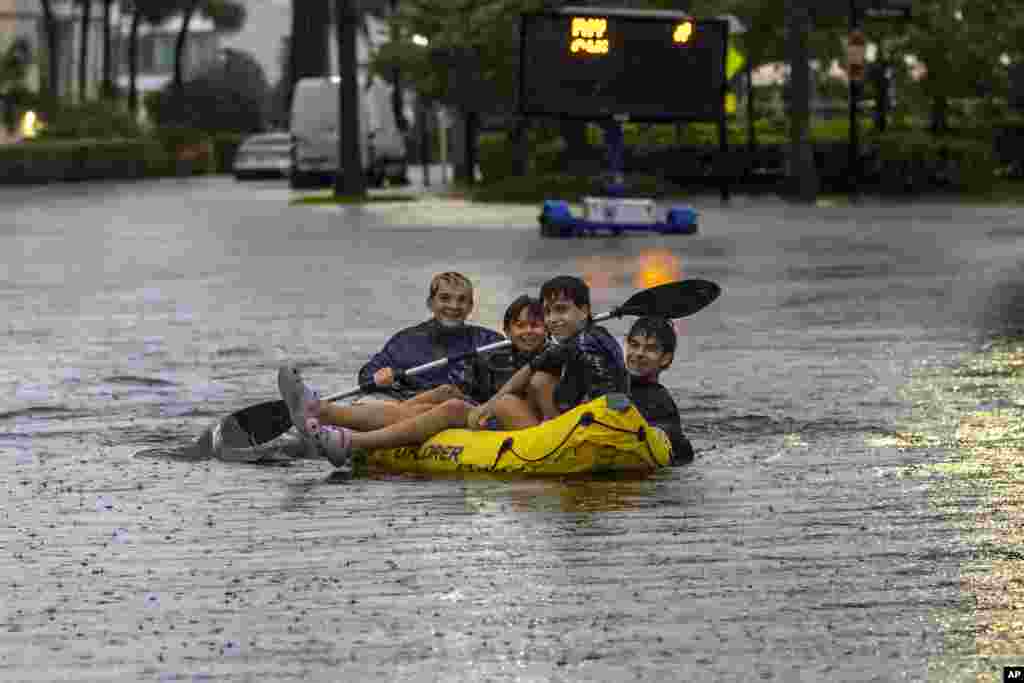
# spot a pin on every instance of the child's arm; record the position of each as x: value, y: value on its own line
x: 515, y: 385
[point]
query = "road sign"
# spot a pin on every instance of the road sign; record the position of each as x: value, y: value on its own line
x: 885, y: 9
x: 871, y: 9
x: 590, y: 62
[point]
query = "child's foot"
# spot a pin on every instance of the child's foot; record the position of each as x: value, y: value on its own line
x: 335, y: 444
x: 303, y: 403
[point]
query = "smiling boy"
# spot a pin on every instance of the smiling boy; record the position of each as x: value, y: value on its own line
x: 581, y: 362
x: 650, y: 349
x: 450, y: 300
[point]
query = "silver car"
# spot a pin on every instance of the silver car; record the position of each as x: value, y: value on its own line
x: 267, y: 155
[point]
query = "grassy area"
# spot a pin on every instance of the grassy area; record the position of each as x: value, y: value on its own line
x: 330, y: 198
x: 535, y: 189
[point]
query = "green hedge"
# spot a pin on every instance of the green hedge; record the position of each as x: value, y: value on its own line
x: 96, y: 120
x: 897, y: 162
x: 564, y: 186
x: 68, y: 160
x: 917, y: 161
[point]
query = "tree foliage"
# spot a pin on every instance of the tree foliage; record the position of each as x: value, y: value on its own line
x: 229, y: 96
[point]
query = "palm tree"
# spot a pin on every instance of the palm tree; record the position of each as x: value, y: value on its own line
x: 83, y: 49
x: 107, y: 87
x: 153, y: 12
x: 227, y: 16
x: 52, y: 57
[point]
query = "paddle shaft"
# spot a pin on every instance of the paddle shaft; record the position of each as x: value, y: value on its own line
x: 439, y: 363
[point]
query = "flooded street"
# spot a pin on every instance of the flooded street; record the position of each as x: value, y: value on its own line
x: 854, y: 512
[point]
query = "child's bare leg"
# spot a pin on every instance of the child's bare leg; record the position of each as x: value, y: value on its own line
x: 451, y: 413
x: 541, y: 394
x: 514, y: 412
x: 436, y: 395
x: 365, y: 417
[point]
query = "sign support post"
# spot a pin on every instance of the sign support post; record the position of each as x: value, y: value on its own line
x: 855, y: 49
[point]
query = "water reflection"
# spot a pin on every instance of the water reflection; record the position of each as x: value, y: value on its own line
x: 651, y: 267
x: 589, y: 494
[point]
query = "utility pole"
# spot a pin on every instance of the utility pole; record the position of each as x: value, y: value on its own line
x: 855, y: 48
x: 350, y: 178
x: 803, y: 175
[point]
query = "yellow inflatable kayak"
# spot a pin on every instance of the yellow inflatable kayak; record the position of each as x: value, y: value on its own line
x: 606, y: 435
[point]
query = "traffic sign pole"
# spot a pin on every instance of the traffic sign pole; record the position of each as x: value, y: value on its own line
x: 855, y: 72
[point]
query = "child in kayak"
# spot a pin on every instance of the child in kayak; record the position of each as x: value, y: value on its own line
x: 450, y: 299
x: 650, y: 348
x: 581, y: 362
x: 333, y: 431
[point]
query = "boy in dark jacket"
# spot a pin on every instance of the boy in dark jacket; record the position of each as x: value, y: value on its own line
x: 581, y: 362
x: 650, y: 348
x: 524, y: 325
x: 450, y: 299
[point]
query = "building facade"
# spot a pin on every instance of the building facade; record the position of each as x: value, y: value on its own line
x: 24, y: 19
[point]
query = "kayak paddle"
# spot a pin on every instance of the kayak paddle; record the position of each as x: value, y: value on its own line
x: 266, y: 421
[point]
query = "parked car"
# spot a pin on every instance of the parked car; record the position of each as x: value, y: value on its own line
x: 314, y: 128
x: 266, y: 155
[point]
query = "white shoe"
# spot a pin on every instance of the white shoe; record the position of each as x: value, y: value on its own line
x: 303, y: 403
x: 335, y: 444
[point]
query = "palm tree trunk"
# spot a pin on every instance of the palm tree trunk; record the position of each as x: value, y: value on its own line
x: 397, y: 94
x: 52, y: 57
x: 350, y: 178
x: 179, y: 50
x: 83, y: 51
x: 107, y: 89
x: 133, y: 63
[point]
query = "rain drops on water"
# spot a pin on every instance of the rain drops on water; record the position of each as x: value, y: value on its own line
x: 104, y: 503
x: 152, y: 295
x: 232, y: 648
x: 35, y: 393
x: 120, y: 535
x: 152, y: 345
x: 151, y: 600
x: 183, y: 314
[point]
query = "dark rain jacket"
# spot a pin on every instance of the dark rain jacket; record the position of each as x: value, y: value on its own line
x: 656, y: 405
x: 421, y: 344
x: 588, y: 365
x: 490, y: 371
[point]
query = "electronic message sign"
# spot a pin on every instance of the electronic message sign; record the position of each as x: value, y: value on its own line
x: 593, y: 63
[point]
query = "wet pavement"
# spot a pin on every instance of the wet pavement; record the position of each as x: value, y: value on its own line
x: 853, y: 514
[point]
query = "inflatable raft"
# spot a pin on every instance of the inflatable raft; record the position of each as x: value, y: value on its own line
x: 606, y: 435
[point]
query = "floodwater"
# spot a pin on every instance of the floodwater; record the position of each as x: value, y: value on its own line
x: 854, y: 397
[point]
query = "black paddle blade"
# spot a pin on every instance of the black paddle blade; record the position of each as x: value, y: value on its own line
x: 264, y: 422
x: 672, y: 299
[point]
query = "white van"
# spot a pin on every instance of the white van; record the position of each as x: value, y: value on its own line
x: 314, y: 131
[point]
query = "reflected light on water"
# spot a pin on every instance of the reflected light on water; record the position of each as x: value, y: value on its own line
x: 656, y: 267
x: 981, y: 404
x: 649, y: 268
x: 556, y: 495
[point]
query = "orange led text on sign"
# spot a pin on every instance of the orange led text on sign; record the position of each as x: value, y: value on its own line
x: 589, y: 35
x: 683, y: 32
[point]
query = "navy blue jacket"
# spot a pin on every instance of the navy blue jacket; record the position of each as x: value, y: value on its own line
x: 421, y: 344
